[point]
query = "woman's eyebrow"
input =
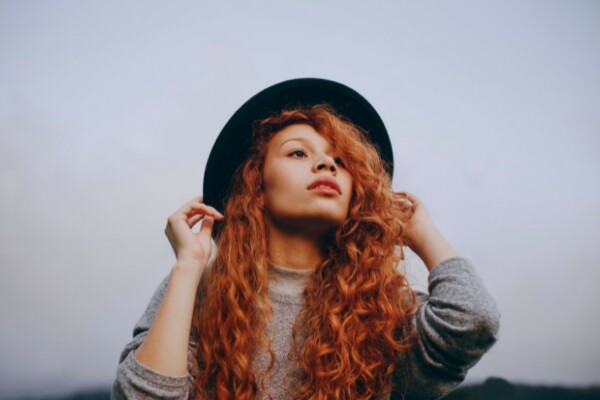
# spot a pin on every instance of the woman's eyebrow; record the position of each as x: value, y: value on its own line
x: 300, y: 139
x: 330, y: 148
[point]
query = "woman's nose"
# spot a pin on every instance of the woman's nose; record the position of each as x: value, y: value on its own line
x: 325, y: 163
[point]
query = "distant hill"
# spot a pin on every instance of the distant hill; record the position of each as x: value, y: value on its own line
x: 491, y: 389
x: 500, y: 389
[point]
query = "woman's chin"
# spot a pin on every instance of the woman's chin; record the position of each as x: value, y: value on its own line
x: 314, y: 223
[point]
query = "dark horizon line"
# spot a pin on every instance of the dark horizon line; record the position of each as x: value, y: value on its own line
x: 489, y: 389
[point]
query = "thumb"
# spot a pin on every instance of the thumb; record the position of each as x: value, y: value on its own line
x: 207, y: 226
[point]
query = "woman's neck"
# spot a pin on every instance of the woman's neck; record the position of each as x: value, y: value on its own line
x: 294, y: 250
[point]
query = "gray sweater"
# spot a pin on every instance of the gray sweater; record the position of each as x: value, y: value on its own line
x: 456, y: 322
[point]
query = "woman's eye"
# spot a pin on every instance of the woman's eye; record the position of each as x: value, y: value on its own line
x: 339, y: 161
x: 297, y: 153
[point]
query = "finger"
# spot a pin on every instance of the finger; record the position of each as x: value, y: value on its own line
x: 407, y: 197
x: 206, y: 228
x: 216, y: 212
x: 187, y: 215
x: 404, y: 202
x: 208, y: 213
x: 412, y: 197
x: 209, y: 210
x: 199, y: 208
x: 188, y: 206
x: 191, y: 221
x: 194, y: 208
x: 200, y: 200
x: 197, y: 199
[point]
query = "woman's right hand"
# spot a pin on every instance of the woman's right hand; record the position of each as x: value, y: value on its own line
x: 165, y: 348
x: 192, y: 249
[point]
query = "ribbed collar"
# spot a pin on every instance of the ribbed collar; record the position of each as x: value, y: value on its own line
x: 287, y: 284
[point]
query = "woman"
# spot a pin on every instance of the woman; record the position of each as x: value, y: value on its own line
x: 300, y: 296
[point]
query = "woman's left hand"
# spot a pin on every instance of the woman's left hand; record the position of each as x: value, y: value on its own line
x: 415, y: 220
x: 419, y: 232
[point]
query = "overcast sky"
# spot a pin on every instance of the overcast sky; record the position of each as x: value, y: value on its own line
x: 108, y: 111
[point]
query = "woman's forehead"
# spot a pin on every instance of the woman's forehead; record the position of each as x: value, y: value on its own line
x: 299, y: 132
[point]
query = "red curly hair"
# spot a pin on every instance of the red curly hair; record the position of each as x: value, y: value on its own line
x: 355, y: 324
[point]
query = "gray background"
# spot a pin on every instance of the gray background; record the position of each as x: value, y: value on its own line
x: 108, y: 111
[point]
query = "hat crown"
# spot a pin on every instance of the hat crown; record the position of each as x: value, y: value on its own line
x: 235, y: 139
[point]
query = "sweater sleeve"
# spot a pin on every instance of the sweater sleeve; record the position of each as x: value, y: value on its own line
x: 456, y: 323
x: 136, y: 381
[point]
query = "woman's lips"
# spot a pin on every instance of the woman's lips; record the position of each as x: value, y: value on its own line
x: 325, y: 190
x: 325, y: 185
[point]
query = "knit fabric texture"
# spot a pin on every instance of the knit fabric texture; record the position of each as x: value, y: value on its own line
x: 456, y: 323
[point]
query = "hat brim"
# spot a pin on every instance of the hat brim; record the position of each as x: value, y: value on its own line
x: 233, y: 143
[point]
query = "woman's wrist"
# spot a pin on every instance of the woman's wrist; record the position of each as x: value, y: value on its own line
x: 165, y: 348
x: 188, y: 270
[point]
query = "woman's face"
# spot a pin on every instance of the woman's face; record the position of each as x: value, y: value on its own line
x: 306, y: 184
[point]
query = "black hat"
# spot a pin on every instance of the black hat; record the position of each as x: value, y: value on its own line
x: 233, y: 143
